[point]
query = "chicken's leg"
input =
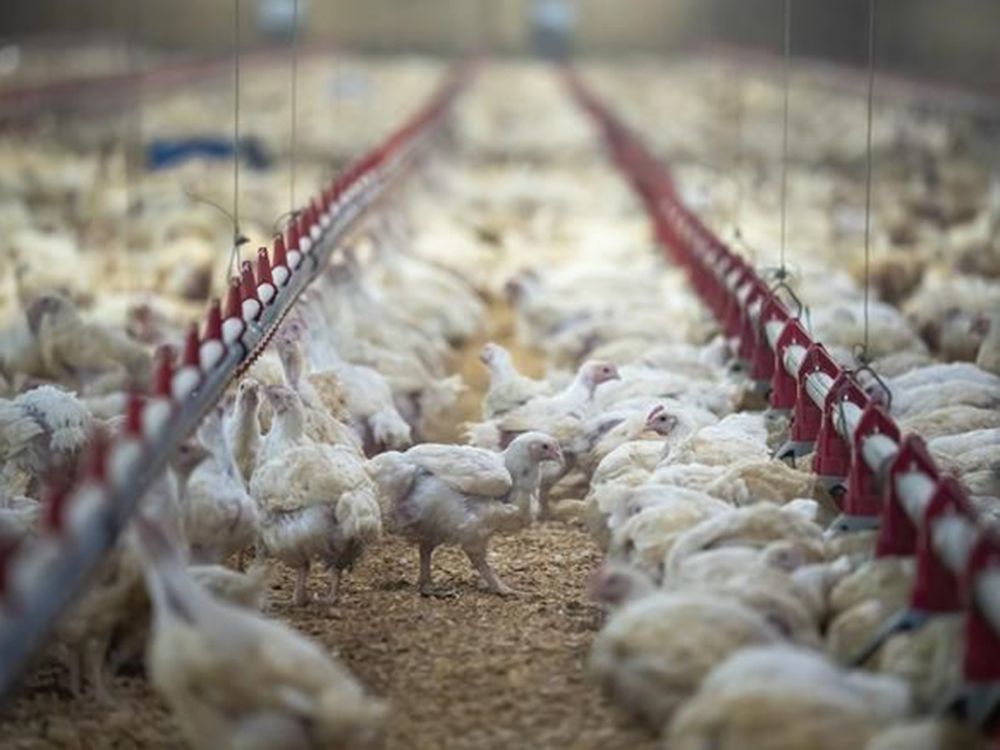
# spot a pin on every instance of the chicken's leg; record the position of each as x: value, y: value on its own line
x: 333, y: 594
x: 301, y: 596
x: 424, y: 582
x: 93, y: 658
x: 477, y: 556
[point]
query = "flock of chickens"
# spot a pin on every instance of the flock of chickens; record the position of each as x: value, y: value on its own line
x: 730, y: 611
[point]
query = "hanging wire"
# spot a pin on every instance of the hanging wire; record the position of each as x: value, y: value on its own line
x: 133, y: 139
x: 293, y: 148
x: 863, y: 356
x: 235, y: 257
x: 782, y: 270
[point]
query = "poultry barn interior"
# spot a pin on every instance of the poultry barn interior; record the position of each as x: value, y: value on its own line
x: 466, y: 374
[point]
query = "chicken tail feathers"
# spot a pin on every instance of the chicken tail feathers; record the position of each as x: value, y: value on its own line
x: 359, y: 516
x: 393, y: 476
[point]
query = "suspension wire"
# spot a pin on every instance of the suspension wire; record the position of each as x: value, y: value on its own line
x: 868, y: 169
x: 739, y: 156
x: 133, y: 138
x: 235, y: 257
x: 782, y: 270
x: 293, y: 148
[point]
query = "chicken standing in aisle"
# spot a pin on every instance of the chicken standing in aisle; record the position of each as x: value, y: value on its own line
x: 316, y: 500
x: 440, y: 494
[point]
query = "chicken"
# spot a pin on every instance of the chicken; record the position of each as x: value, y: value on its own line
x: 220, y: 518
x: 929, y: 659
x: 437, y: 494
x: 315, y: 500
x: 950, y: 420
x: 321, y: 404
x: 367, y: 395
x: 42, y: 430
x: 862, y: 601
x: 734, y: 438
x: 612, y: 429
x: 242, y: 427
x: 653, y: 653
x: 19, y: 518
x: 753, y: 526
x: 508, y: 389
x: 625, y: 468
x: 744, y: 482
x: 559, y: 415
x: 784, y: 698
x: 235, y: 679
x: 645, y: 538
x: 80, y: 353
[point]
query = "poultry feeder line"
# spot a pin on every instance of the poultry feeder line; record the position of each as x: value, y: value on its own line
x: 97, y: 93
x: 890, y: 482
x: 41, y: 579
x: 913, y: 92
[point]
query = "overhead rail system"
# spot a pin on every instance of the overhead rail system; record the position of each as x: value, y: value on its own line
x: 40, y: 579
x: 889, y: 481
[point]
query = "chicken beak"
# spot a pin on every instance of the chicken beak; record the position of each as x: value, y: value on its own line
x: 555, y: 454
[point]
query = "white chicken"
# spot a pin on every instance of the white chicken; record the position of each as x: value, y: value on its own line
x: 315, y: 500
x: 220, y: 517
x: 559, y: 415
x: 653, y: 653
x: 235, y: 679
x: 42, y: 430
x: 81, y: 353
x: 508, y: 388
x: 458, y: 495
x: 368, y: 397
x: 242, y: 427
x: 783, y: 698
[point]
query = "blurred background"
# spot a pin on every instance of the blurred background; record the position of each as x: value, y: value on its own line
x: 953, y: 41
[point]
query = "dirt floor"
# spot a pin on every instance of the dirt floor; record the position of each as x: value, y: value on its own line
x: 465, y: 669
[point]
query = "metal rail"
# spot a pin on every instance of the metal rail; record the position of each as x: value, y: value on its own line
x: 39, y: 581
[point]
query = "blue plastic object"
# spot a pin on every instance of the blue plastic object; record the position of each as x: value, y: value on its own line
x: 163, y: 153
